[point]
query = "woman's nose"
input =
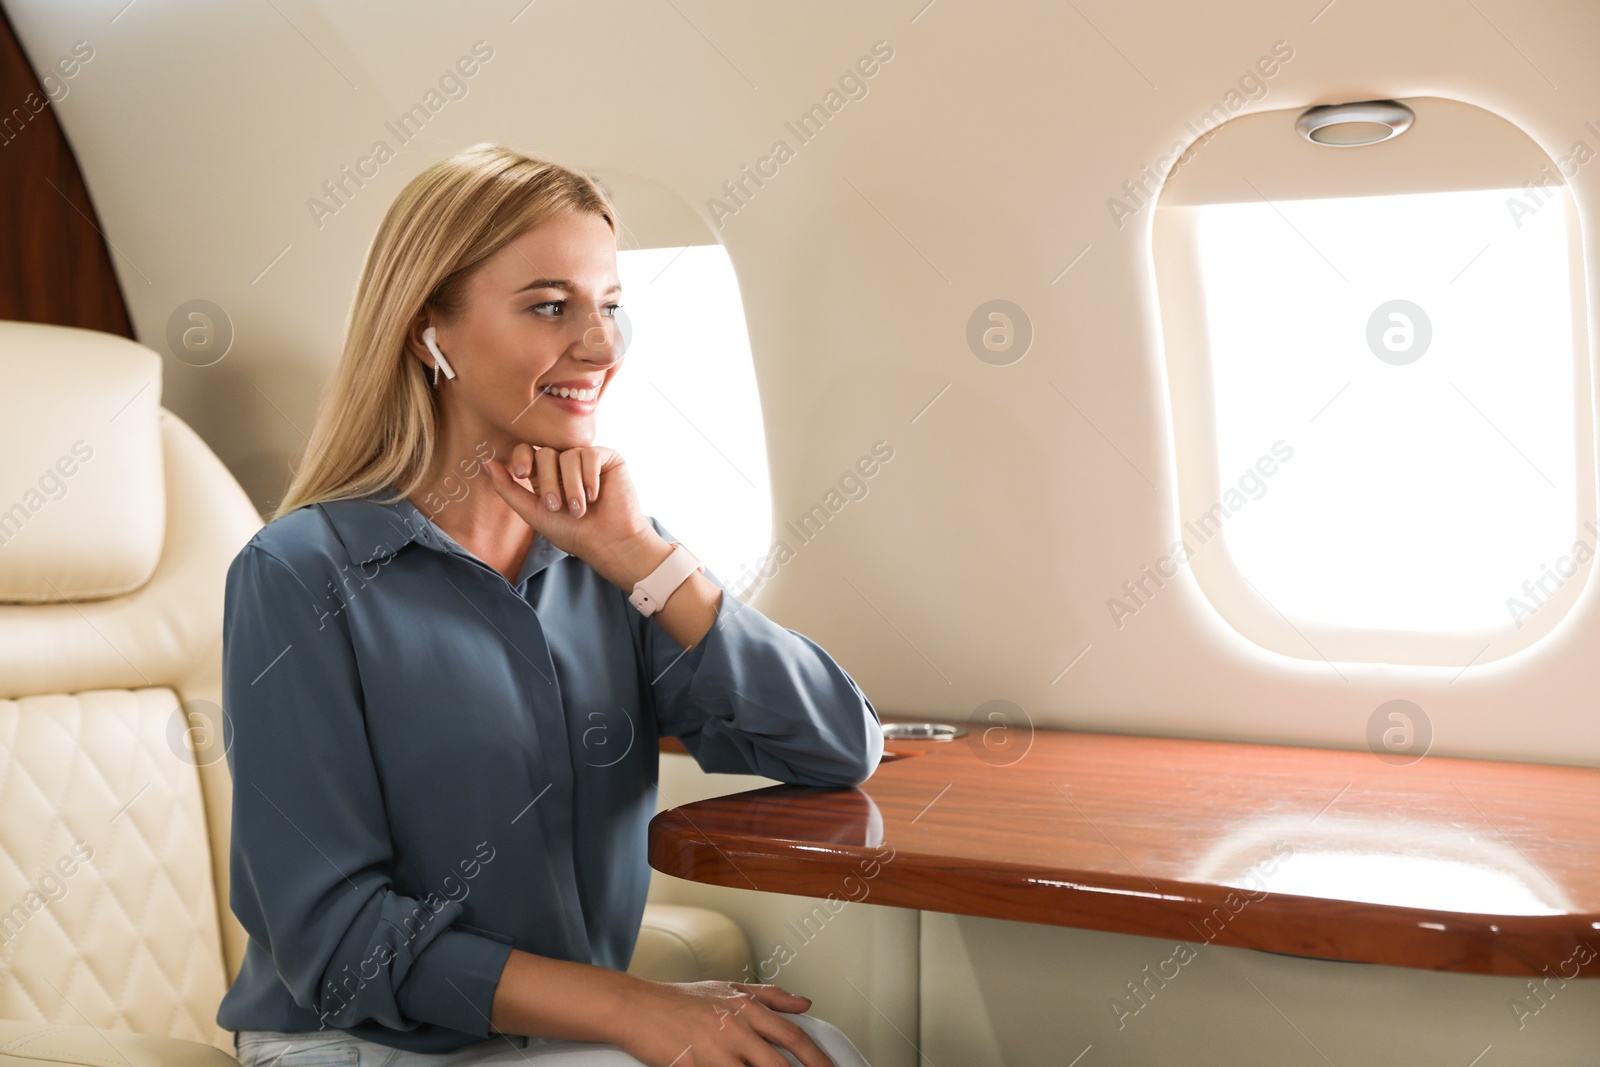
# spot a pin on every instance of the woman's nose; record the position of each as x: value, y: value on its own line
x: 602, y: 340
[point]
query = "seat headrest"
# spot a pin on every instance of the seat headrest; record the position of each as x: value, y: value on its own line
x: 82, y: 497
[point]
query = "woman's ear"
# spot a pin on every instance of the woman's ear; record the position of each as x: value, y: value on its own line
x: 414, y: 343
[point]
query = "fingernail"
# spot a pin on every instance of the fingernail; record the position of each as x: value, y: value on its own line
x: 577, y: 505
x: 552, y: 502
x: 520, y: 470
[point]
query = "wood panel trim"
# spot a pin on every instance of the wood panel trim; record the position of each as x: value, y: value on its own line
x: 54, y: 266
x: 1440, y: 865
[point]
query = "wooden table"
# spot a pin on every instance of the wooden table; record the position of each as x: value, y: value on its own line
x: 1444, y: 864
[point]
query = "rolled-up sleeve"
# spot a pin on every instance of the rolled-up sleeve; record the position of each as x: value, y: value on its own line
x: 311, y: 850
x: 753, y: 697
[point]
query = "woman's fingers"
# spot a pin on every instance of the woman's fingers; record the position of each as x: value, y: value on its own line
x: 572, y: 480
x: 545, y: 466
x: 591, y: 474
x: 523, y: 502
x: 522, y: 460
x: 775, y: 997
x: 559, y: 496
x: 785, y: 1033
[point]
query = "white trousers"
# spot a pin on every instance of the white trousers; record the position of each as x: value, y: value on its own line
x: 334, y: 1048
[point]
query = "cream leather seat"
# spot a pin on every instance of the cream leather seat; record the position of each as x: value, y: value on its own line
x: 117, y: 525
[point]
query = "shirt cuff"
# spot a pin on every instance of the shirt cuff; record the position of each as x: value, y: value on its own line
x: 453, y: 981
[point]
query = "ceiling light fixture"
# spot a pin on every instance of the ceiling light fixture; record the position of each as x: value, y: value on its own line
x: 1348, y: 125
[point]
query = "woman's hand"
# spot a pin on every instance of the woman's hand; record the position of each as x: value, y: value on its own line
x: 596, y: 516
x: 716, y: 1024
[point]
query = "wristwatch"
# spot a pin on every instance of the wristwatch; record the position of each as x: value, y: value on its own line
x: 652, y: 591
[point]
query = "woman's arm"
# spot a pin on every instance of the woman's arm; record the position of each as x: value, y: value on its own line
x: 655, y: 1022
x: 311, y: 849
x: 754, y: 697
x: 745, y: 694
x: 690, y: 611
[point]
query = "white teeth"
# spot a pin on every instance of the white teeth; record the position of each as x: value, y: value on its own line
x: 572, y: 394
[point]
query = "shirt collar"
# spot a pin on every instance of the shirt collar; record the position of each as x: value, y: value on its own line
x: 373, y: 530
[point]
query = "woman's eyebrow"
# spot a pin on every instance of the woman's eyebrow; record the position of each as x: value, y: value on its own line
x: 558, y: 283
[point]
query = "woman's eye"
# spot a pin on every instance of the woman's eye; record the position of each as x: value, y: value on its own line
x: 558, y: 305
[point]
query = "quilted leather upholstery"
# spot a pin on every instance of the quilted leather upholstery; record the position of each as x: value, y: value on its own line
x: 116, y: 939
x: 114, y: 838
x: 129, y: 938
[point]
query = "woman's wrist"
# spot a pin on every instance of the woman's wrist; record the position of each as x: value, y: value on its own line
x: 541, y: 996
x: 689, y: 611
x: 630, y: 561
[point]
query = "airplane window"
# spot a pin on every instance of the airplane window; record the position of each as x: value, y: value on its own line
x: 1422, y: 491
x: 684, y: 410
x: 1381, y: 396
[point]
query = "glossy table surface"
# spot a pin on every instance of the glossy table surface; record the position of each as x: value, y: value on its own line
x: 1444, y: 864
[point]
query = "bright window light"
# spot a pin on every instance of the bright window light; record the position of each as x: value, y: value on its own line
x: 1416, y: 354
x: 684, y: 411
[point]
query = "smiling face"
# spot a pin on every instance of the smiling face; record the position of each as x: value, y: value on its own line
x: 537, y: 342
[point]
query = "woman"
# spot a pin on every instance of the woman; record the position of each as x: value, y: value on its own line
x: 447, y: 660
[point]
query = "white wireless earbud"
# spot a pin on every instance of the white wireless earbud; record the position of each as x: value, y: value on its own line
x: 439, y: 362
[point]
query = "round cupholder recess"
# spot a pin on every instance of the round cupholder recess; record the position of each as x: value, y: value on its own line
x: 922, y: 731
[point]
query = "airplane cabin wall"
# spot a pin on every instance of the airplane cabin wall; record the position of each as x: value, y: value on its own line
x: 976, y: 166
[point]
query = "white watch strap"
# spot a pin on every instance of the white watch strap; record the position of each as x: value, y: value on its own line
x: 654, y: 589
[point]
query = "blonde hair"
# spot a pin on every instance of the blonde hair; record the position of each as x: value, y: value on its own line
x: 377, y: 423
